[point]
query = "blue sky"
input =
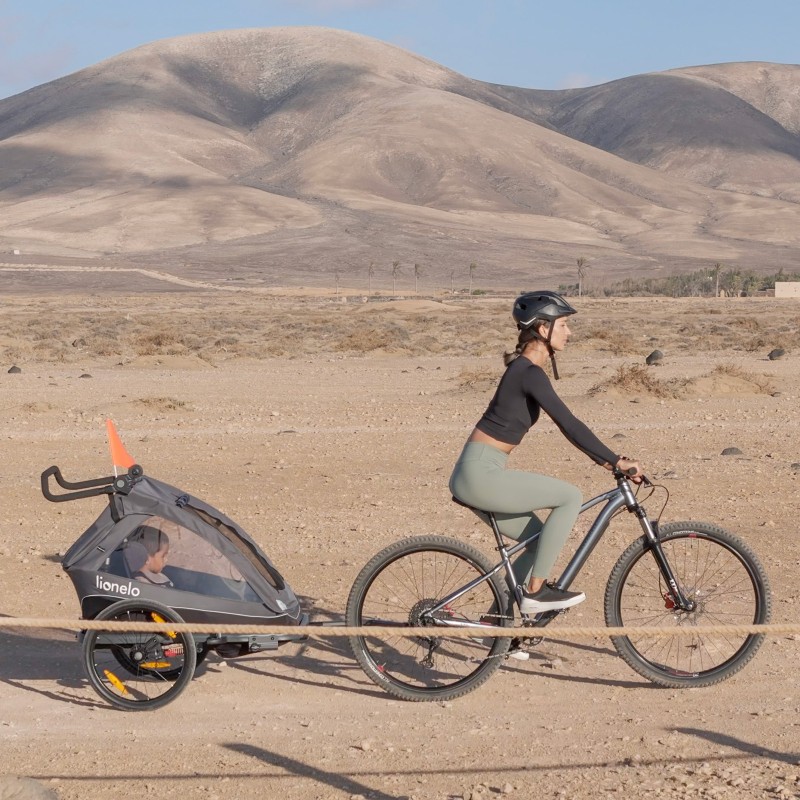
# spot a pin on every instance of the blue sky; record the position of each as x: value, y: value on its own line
x: 545, y: 45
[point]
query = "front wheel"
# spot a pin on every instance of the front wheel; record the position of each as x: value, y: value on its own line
x: 403, y: 586
x: 135, y: 670
x: 715, y: 570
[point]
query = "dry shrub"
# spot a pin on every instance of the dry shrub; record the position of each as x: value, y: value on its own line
x: 428, y: 345
x: 155, y: 343
x: 365, y: 338
x: 163, y: 404
x: 480, y: 378
x: 766, y: 341
x: 750, y: 324
x: 98, y: 346
x: 160, y: 338
x: 637, y: 380
x: 611, y: 340
x: 235, y: 326
x: 761, y: 383
x: 36, y: 407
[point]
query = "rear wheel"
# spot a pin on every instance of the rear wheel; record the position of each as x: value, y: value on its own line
x: 720, y: 574
x: 135, y: 670
x: 400, y: 587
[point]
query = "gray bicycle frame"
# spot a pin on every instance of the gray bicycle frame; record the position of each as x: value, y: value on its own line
x: 614, y: 499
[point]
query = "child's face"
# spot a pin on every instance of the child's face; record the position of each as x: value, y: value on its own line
x: 156, y: 562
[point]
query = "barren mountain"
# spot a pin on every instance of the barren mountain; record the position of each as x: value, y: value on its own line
x: 729, y: 126
x: 276, y: 156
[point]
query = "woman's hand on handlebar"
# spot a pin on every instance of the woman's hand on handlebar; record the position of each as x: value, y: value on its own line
x: 632, y: 468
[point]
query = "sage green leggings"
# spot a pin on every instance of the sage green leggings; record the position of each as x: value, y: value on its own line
x: 480, y: 479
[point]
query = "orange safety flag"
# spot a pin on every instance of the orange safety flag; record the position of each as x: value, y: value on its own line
x: 119, y: 455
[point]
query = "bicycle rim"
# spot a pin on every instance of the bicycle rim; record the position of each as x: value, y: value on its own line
x: 718, y: 573
x: 398, y: 592
x: 137, y: 671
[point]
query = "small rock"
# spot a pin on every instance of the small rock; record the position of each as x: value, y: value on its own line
x: 506, y: 788
x: 618, y: 436
x: 85, y: 375
x: 775, y: 354
x: 732, y: 451
x: 654, y: 358
x: 24, y: 789
x: 14, y: 371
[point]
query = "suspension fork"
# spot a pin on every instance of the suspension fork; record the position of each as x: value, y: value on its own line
x: 654, y: 544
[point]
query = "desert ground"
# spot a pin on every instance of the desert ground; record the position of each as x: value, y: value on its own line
x: 328, y: 428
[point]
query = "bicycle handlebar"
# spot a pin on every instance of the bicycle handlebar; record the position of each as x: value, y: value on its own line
x: 632, y: 473
x: 94, y: 487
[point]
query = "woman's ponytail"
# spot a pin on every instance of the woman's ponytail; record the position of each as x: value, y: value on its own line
x: 526, y: 335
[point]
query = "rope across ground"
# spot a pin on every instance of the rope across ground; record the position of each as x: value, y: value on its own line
x: 321, y: 631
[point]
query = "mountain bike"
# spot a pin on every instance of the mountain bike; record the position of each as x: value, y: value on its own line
x: 680, y: 574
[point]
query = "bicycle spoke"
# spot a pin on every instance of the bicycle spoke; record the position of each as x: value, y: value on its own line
x: 133, y: 670
x: 411, y: 587
x: 718, y: 575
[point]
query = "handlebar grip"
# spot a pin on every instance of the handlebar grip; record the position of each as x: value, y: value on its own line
x: 65, y: 484
x: 77, y: 490
x: 632, y: 473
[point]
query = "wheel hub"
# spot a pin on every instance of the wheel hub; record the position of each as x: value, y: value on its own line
x: 418, y: 616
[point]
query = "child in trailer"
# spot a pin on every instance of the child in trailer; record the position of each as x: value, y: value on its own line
x: 146, y: 556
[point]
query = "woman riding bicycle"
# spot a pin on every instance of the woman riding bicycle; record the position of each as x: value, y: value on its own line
x: 480, y: 478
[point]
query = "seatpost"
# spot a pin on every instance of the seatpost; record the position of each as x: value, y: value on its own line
x: 511, y: 578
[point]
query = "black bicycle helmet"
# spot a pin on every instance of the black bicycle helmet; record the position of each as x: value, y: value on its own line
x: 545, y: 306
x: 533, y: 306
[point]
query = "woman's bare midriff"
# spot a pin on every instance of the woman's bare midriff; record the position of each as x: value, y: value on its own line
x: 479, y: 436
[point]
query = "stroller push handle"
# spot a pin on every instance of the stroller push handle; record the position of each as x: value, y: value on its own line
x: 91, y: 488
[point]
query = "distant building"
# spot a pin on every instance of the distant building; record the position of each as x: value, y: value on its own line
x: 787, y: 289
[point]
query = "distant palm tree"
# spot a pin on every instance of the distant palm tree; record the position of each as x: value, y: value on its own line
x: 751, y: 284
x: 370, y: 276
x: 395, y: 273
x: 417, y: 275
x: 715, y: 275
x: 583, y: 266
x: 472, y: 267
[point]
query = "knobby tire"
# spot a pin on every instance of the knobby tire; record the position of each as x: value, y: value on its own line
x: 714, y: 569
x: 396, y: 586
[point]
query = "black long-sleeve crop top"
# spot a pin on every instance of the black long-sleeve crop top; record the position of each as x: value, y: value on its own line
x: 524, y: 389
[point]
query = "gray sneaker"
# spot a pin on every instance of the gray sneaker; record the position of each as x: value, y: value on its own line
x: 548, y: 598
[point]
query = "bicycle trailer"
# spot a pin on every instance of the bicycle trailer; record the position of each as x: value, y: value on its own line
x: 158, y: 553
